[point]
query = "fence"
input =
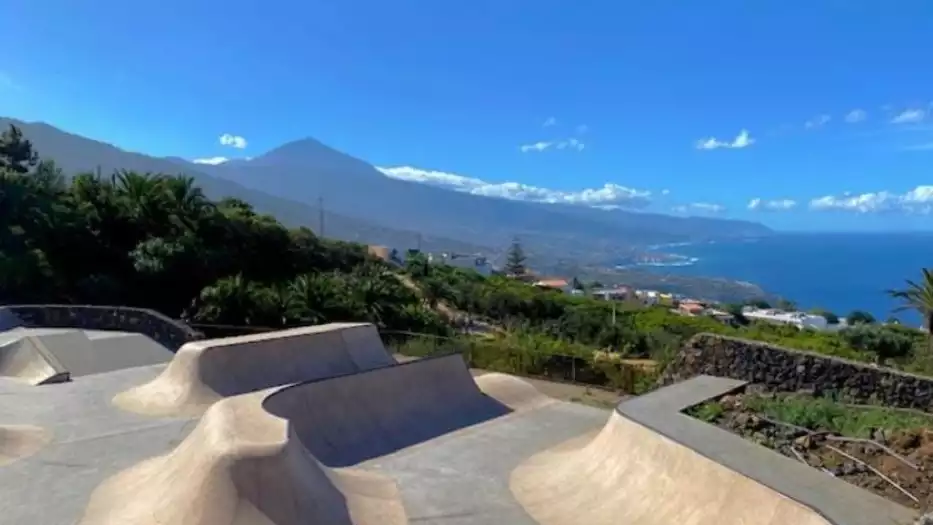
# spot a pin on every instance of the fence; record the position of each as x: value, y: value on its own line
x: 487, y: 353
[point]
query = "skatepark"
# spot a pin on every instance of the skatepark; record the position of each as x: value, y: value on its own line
x: 321, y: 425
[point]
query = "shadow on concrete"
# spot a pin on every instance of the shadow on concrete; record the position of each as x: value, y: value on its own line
x: 349, y: 419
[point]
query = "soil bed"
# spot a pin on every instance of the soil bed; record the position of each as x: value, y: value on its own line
x: 886, y: 451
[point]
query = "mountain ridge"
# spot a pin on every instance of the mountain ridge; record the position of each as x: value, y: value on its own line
x: 365, y: 205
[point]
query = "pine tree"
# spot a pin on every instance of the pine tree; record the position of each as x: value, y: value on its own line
x: 515, y: 260
x: 16, y: 153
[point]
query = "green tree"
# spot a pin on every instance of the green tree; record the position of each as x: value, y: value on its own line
x: 918, y: 296
x: 515, y: 260
x: 16, y: 152
x: 787, y: 306
x: 576, y: 284
x: 859, y: 317
x: 879, y: 340
x: 759, y: 303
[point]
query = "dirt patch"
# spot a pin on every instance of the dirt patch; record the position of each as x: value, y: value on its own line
x: 570, y: 392
x: 573, y: 393
x: 886, y: 451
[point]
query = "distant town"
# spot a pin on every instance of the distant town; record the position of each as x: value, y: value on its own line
x: 680, y: 304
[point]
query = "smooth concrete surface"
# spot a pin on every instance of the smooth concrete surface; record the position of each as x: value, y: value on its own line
x: 421, y: 442
x: 269, y: 456
x: 463, y: 478
x: 44, y: 355
x: 204, y: 372
x: 89, y: 441
x: 835, y: 500
x: 24, y: 358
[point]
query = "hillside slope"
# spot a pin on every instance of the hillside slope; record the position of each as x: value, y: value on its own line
x: 74, y: 154
x: 307, y: 169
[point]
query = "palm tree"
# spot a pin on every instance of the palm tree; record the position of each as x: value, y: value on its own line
x: 918, y: 297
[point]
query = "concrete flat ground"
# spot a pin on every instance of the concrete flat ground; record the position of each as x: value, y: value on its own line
x: 91, y: 440
x: 463, y: 478
x: 458, y: 478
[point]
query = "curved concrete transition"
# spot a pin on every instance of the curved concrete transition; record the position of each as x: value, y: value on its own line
x: 203, y: 372
x: 653, y: 465
x: 267, y: 457
x: 20, y: 441
x: 25, y: 358
x: 629, y: 474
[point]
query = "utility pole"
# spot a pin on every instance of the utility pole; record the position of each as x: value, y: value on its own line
x: 320, y: 209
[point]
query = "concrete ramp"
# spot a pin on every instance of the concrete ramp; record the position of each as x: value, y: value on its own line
x: 49, y: 355
x: 203, y: 372
x: 243, y: 466
x: 346, y: 420
x: 653, y: 465
x: 25, y: 358
x: 631, y: 475
x: 267, y: 457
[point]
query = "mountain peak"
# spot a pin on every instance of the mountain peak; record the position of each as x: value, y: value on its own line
x: 302, y: 151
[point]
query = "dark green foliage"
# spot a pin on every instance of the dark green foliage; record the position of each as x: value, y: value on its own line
x: 882, y: 341
x: 859, y: 317
x: 156, y: 241
x: 515, y: 260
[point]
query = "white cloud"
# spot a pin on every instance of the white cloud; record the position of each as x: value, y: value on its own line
x: 909, y: 116
x: 608, y: 196
x: 705, y: 207
x: 570, y: 144
x: 742, y: 140
x: 537, y: 146
x: 917, y: 200
x: 582, y: 128
x: 550, y: 121
x: 772, y: 205
x: 234, y: 141
x: 665, y: 192
x: 817, y: 122
x: 213, y: 161
x: 856, y: 115
x: 543, y: 145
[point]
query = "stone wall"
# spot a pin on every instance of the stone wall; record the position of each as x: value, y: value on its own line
x: 164, y: 330
x: 787, y: 370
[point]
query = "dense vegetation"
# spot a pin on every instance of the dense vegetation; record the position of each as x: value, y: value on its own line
x: 155, y: 241
x: 636, y: 331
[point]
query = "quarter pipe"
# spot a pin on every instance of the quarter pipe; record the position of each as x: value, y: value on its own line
x: 632, y: 475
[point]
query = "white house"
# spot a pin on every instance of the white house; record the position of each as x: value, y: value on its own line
x: 799, y: 319
x: 648, y: 297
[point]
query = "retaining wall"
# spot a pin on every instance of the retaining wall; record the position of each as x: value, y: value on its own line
x: 164, y: 330
x: 788, y: 370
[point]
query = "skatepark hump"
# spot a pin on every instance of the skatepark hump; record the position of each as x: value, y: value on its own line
x: 319, y: 425
x: 39, y: 356
x: 203, y: 372
x: 267, y: 457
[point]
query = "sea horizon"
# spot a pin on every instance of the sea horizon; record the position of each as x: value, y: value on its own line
x: 838, y: 271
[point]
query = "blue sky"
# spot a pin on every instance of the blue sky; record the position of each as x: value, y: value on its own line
x: 821, y: 110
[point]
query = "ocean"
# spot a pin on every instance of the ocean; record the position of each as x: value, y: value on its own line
x: 838, y: 272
